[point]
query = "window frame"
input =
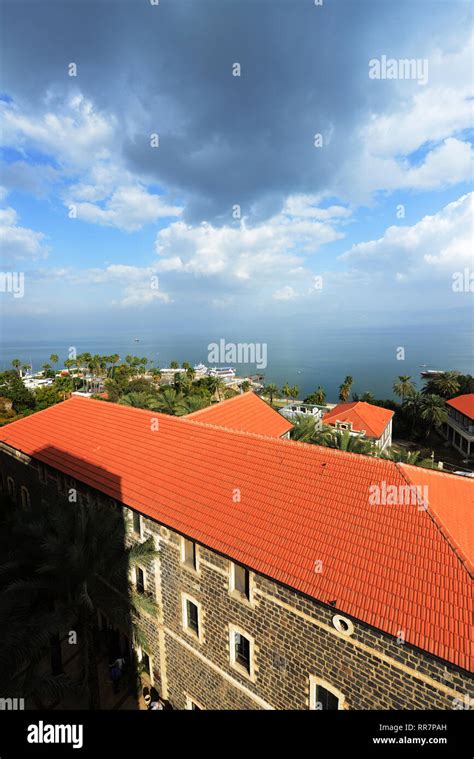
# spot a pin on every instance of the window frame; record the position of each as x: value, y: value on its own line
x: 235, y: 664
x: 11, y: 488
x: 192, y: 567
x: 138, y: 569
x: 199, y: 635
x: 191, y: 700
x: 248, y: 600
x: 138, y: 534
x: 314, y: 683
x: 24, y: 490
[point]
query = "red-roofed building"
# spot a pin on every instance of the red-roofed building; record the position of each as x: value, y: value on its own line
x: 459, y: 426
x: 364, y: 419
x: 289, y: 575
x: 247, y: 413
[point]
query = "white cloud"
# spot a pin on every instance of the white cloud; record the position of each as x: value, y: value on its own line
x: 269, y: 249
x: 87, y: 146
x: 285, y: 293
x: 437, y: 242
x: 129, y: 209
x: 19, y: 243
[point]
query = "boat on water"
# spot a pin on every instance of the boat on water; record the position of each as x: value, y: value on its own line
x: 431, y: 373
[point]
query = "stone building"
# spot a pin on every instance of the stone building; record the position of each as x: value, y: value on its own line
x: 289, y: 576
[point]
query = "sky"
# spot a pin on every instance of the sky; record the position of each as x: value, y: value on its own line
x: 192, y: 164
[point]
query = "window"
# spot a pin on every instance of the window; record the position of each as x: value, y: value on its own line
x: 140, y: 580
x: 241, y: 652
x: 192, y: 705
x: 25, y: 497
x: 145, y: 662
x: 343, y: 624
x: 191, y: 610
x: 189, y: 553
x: 240, y: 581
x: 11, y: 488
x: 324, y: 696
x: 137, y: 523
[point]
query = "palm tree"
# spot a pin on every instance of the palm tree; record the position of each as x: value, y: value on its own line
x: 46, y: 368
x: 345, y: 389
x: 271, y: 390
x: 343, y: 440
x: 245, y: 386
x: 190, y: 372
x: 77, y: 564
x: 401, y: 456
x: 113, y: 359
x: 136, y: 400
x: 367, y: 397
x: 286, y: 390
x: 433, y: 411
x: 303, y: 429
x: 174, y: 365
x: 320, y: 396
x: 168, y: 401
x: 193, y: 403
x: 446, y: 385
x: 295, y: 391
x: 404, y: 388
x: 16, y: 363
x: 54, y: 358
x: 216, y: 386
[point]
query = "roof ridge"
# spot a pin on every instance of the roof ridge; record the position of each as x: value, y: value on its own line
x: 453, y: 544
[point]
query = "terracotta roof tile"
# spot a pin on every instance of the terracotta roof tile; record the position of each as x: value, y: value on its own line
x: 246, y: 412
x: 464, y: 404
x: 364, y: 416
x: 391, y: 566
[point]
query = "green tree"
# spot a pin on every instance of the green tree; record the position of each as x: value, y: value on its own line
x: 303, y: 428
x: 168, y: 401
x: 54, y: 358
x: 271, y: 390
x: 318, y: 397
x: 345, y: 389
x: 446, y: 385
x: 136, y: 400
x: 433, y: 412
x: 246, y: 385
x: 174, y: 365
x: 70, y: 563
x: 16, y: 363
x: 404, y: 387
x: 216, y: 386
x: 286, y: 390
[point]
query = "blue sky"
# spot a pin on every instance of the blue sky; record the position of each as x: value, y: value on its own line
x: 114, y: 231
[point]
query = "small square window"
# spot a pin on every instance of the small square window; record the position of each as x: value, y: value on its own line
x: 140, y: 580
x: 137, y: 523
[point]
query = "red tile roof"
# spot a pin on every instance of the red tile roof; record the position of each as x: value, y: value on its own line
x: 464, y: 404
x: 372, y: 419
x: 395, y: 567
x: 246, y: 412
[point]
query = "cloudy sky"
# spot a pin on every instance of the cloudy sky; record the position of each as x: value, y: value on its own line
x: 214, y: 160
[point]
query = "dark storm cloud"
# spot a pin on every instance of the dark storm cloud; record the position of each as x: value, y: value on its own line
x: 168, y: 69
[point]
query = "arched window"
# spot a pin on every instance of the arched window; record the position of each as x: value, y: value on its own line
x: 11, y: 488
x: 25, y: 497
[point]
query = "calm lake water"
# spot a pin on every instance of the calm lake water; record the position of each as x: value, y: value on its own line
x: 322, y: 356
